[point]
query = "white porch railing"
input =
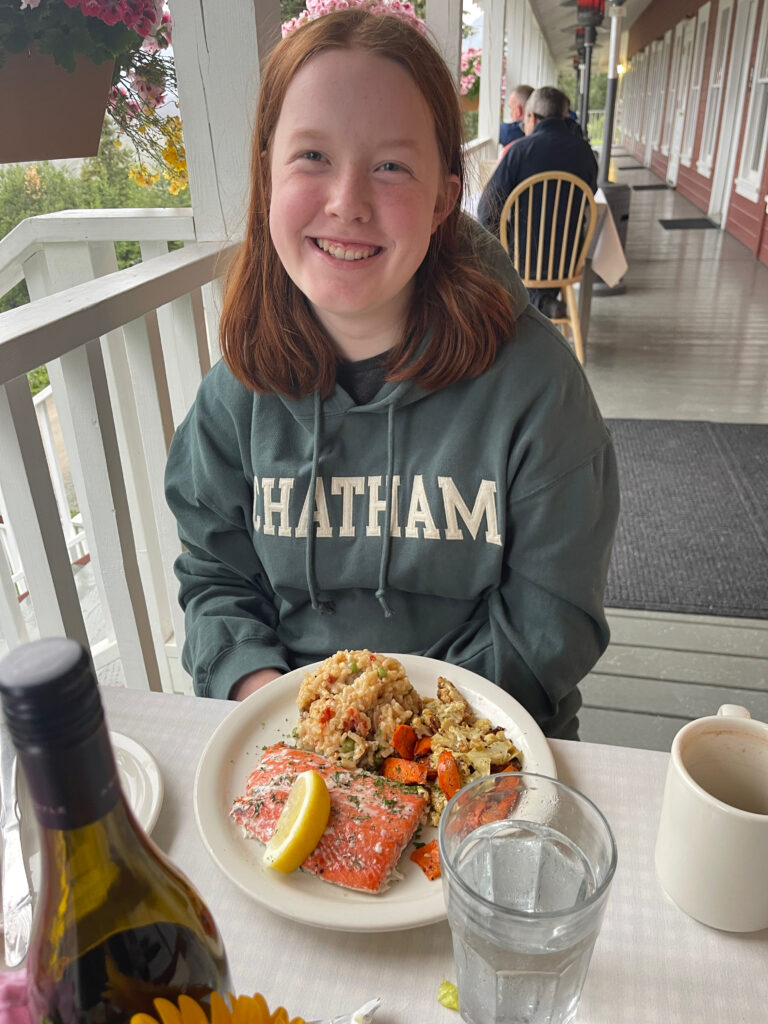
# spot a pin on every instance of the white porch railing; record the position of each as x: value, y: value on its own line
x: 125, y: 352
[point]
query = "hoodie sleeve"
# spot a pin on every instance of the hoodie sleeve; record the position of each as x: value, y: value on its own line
x: 540, y: 632
x: 229, y: 614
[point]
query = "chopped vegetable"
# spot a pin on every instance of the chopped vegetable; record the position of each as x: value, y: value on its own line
x: 448, y: 995
x: 354, y: 667
x: 428, y: 859
x: 448, y: 776
x: 397, y: 769
x: 404, y: 740
x: 423, y: 747
x: 381, y: 672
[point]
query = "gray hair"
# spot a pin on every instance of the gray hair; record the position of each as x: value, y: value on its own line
x: 547, y: 102
x: 521, y: 93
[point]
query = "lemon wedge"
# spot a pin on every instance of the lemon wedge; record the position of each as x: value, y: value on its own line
x: 301, y: 823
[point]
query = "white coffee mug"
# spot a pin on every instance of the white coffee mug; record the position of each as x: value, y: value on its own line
x: 712, y: 845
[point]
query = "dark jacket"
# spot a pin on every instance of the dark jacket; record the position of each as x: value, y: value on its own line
x: 510, y: 131
x: 552, y: 146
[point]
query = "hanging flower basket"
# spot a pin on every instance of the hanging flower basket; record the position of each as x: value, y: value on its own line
x: 53, y: 113
x: 469, y: 102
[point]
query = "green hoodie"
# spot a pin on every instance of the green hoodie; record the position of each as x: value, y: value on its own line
x: 492, y: 553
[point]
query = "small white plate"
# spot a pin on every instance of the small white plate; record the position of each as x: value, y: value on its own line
x: 142, y: 784
x: 140, y: 778
x: 270, y: 715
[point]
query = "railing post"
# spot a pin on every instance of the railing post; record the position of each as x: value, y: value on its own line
x: 84, y: 404
x: 31, y: 505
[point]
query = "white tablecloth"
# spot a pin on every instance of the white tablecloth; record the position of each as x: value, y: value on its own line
x: 652, y: 964
x: 607, y: 253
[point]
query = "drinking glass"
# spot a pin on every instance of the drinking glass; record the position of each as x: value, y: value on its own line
x: 527, y: 862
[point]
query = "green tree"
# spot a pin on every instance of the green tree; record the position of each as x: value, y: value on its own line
x: 102, y: 182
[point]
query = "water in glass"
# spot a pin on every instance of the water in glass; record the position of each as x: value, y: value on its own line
x: 522, y: 971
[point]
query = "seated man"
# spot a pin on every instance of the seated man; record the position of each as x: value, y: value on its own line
x: 549, y: 145
x: 510, y: 132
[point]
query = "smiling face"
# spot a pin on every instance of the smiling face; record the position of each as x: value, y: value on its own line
x: 357, y: 190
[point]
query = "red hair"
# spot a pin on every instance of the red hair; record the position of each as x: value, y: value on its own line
x: 270, y: 338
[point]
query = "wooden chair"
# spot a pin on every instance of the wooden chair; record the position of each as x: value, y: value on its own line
x: 552, y: 252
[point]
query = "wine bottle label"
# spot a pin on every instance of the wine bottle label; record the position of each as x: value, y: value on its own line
x: 74, y: 786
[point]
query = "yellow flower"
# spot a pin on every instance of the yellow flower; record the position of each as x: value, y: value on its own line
x: 117, y: 143
x: 142, y: 176
x: 245, y: 1010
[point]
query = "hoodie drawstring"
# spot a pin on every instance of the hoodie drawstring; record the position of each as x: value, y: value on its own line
x: 324, y: 607
x: 381, y: 593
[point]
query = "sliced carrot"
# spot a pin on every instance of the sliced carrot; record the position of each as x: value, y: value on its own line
x: 428, y: 859
x: 404, y: 740
x: 448, y: 776
x: 423, y: 747
x: 397, y: 769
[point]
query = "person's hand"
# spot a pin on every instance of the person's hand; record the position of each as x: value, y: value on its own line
x: 248, y: 684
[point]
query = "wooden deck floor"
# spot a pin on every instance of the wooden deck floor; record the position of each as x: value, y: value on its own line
x: 688, y: 340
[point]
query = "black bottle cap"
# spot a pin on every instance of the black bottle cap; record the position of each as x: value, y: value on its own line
x: 49, y: 694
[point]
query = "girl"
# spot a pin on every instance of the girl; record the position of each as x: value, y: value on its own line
x: 395, y: 452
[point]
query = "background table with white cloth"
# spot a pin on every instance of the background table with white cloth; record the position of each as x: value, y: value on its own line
x: 652, y: 964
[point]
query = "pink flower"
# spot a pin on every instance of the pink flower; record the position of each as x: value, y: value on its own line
x: 31, y: 4
x: 317, y: 8
x: 108, y: 11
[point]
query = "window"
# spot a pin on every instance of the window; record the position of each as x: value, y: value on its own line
x: 669, y: 115
x: 716, y: 83
x: 652, y: 62
x: 628, y: 111
x: 661, y: 83
x: 753, y: 152
x: 692, y: 112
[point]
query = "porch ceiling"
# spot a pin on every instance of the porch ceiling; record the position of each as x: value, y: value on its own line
x: 558, y: 23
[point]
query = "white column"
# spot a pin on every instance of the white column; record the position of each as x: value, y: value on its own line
x: 218, y: 48
x: 489, y: 110
x: 443, y: 19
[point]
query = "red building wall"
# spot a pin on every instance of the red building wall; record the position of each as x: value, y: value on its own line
x: 657, y: 18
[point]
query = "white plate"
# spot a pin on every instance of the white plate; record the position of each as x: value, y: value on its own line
x: 268, y: 716
x: 140, y: 778
x: 142, y: 784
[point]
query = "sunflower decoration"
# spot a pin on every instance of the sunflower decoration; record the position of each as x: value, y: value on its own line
x: 245, y: 1010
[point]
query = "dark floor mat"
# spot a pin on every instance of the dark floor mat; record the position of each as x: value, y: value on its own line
x: 649, y: 188
x: 688, y: 224
x: 693, y: 528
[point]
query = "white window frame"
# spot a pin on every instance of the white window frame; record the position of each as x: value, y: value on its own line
x: 694, y: 89
x: 749, y: 180
x: 629, y: 96
x: 669, y: 114
x: 642, y: 76
x: 650, y: 84
x: 717, y: 81
x: 661, y: 88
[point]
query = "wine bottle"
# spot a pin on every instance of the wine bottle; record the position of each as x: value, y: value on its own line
x: 116, y: 925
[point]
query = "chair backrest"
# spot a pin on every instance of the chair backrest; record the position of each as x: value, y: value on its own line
x: 549, y: 248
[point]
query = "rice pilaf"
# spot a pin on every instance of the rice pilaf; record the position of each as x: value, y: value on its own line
x: 350, y: 706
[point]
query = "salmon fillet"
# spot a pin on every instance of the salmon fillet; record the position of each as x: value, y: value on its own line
x: 371, y: 820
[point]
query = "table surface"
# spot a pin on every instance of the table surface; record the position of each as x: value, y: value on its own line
x: 651, y: 965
